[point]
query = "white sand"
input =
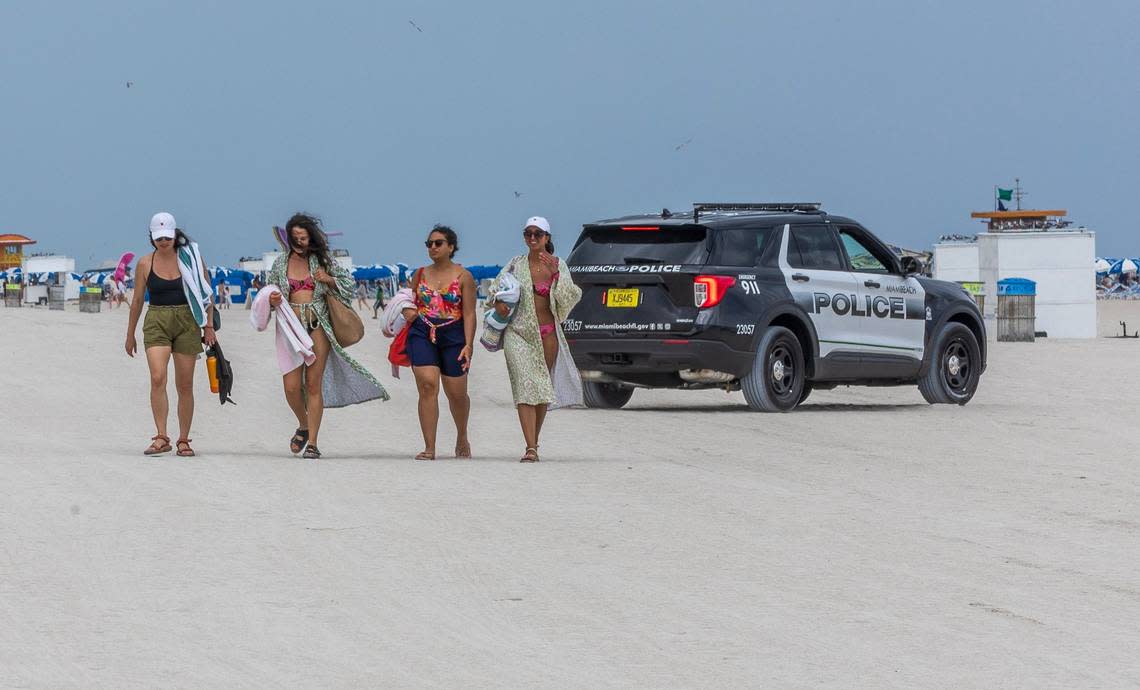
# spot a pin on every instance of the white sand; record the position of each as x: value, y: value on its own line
x: 866, y: 540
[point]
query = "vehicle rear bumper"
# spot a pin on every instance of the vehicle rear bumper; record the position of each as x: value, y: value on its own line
x: 657, y: 355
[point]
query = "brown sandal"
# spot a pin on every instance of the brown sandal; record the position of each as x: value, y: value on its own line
x: 156, y: 448
x: 531, y: 455
x: 424, y: 455
x: 189, y: 452
x: 463, y: 452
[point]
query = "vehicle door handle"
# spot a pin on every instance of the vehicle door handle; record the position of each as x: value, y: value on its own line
x: 870, y: 284
x: 800, y: 277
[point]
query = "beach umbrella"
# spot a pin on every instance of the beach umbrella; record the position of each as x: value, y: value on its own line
x: 1123, y: 266
x: 1102, y: 265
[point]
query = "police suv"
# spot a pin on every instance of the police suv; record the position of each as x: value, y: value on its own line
x: 774, y: 299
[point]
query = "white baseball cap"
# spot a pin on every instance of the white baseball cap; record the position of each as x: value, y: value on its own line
x: 162, y: 225
x: 538, y: 222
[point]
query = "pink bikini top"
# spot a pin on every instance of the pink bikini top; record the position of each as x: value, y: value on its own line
x: 543, y: 289
x: 306, y: 284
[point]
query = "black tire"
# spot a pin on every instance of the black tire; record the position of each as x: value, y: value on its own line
x: 806, y: 393
x: 776, y: 381
x: 955, y: 367
x: 605, y: 396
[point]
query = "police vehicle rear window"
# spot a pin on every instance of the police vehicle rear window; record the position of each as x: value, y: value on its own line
x: 740, y: 246
x: 641, y: 244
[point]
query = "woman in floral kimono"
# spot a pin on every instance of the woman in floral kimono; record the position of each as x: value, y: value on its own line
x: 542, y: 372
x: 308, y: 277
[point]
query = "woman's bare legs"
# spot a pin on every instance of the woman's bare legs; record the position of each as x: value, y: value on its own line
x: 314, y: 376
x: 550, y: 353
x: 158, y: 359
x: 184, y: 382
x: 427, y: 383
x: 455, y: 387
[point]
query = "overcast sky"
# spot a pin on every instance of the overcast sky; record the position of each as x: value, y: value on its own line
x: 902, y: 114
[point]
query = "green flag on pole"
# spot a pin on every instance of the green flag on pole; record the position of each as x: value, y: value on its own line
x: 1005, y: 194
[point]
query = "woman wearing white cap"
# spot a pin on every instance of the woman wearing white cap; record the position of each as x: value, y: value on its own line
x: 178, y: 321
x: 543, y: 375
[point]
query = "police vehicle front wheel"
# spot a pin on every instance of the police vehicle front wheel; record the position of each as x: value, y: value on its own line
x: 776, y: 381
x: 606, y: 396
x: 955, y: 367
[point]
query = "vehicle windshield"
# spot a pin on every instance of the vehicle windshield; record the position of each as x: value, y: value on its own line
x: 612, y: 245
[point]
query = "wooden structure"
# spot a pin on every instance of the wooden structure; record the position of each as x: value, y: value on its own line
x: 1022, y: 220
x: 12, y: 250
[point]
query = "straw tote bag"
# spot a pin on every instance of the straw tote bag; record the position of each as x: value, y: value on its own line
x: 346, y: 323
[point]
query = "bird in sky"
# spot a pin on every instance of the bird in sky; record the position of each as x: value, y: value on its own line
x: 518, y: 194
x: 682, y: 145
x: 416, y: 26
x: 130, y: 84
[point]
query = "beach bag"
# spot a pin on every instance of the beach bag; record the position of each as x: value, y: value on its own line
x: 346, y: 324
x: 494, y: 323
x: 398, y: 350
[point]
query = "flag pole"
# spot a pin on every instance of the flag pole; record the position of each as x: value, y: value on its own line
x: 995, y: 197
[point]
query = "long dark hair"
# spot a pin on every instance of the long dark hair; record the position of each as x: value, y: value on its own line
x: 181, y: 239
x: 449, y: 235
x: 318, y: 242
x: 549, y: 244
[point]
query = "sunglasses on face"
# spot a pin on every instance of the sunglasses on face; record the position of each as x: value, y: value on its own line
x: 434, y: 243
x: 165, y: 239
x: 534, y: 234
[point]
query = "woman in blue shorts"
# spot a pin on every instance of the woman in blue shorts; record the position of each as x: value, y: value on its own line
x: 441, y: 337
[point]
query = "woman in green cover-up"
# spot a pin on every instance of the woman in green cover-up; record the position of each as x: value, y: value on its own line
x: 542, y: 372
x: 307, y: 277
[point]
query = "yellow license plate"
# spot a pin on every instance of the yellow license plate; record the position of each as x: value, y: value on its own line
x: 622, y: 297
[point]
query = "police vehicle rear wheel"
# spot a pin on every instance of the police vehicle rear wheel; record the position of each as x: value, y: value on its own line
x: 606, y: 396
x: 776, y: 382
x: 954, y: 371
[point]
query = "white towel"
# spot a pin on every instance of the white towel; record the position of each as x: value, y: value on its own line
x: 294, y: 345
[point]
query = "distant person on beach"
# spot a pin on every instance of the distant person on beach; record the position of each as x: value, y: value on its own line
x: 362, y: 295
x: 538, y: 361
x: 441, y: 339
x: 178, y: 321
x: 308, y: 278
x: 379, y: 303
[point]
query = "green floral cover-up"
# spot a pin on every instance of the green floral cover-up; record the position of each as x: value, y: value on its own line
x: 531, y: 382
x: 346, y: 381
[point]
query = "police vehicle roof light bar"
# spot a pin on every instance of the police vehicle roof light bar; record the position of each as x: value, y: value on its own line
x: 794, y: 207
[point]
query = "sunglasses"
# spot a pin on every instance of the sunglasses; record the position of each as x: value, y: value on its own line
x: 534, y: 234
x: 434, y: 243
x: 164, y: 239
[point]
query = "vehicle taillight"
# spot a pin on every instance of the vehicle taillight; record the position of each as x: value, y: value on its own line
x: 641, y: 228
x: 708, y: 291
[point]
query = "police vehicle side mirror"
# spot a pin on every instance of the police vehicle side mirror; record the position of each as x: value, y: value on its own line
x: 910, y: 266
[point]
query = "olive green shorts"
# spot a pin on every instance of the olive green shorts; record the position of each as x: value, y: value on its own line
x: 172, y: 327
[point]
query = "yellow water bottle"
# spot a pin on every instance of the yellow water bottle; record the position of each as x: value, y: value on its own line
x: 212, y: 370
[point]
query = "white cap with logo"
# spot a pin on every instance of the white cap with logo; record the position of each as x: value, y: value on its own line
x: 538, y: 222
x: 162, y: 225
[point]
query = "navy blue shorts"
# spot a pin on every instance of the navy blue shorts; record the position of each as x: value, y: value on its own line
x: 443, y: 353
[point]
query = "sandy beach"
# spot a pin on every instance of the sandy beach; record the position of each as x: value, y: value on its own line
x: 867, y: 539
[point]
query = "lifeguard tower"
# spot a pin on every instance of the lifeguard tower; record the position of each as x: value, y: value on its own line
x: 1044, y: 247
x: 12, y: 250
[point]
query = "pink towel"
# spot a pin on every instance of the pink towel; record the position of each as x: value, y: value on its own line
x: 294, y: 346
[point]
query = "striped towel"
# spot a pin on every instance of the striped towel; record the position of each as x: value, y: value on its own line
x: 199, y: 293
